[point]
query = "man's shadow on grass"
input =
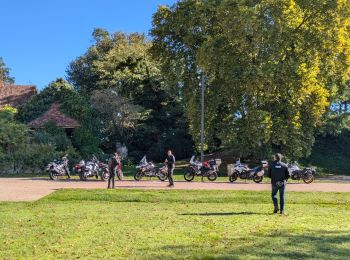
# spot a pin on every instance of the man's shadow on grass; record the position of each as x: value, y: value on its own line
x: 223, y: 213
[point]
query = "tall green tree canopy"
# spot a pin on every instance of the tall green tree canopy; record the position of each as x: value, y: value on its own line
x: 5, y: 73
x: 272, y: 66
x: 121, y: 64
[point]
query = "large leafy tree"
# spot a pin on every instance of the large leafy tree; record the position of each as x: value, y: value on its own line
x: 122, y: 63
x: 272, y: 68
x: 5, y: 73
x: 85, y: 139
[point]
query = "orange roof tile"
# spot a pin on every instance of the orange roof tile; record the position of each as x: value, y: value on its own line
x: 54, y: 115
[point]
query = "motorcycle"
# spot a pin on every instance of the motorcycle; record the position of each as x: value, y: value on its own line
x: 148, y: 169
x: 92, y: 168
x: 244, y: 172
x: 58, y: 168
x: 306, y: 174
x: 207, y: 169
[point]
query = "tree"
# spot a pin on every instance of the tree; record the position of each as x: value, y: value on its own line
x: 85, y: 140
x: 5, y: 73
x: 18, y: 150
x: 118, y: 116
x: 272, y: 68
x: 122, y: 63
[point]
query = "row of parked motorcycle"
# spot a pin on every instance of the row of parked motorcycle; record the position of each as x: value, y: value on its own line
x: 210, y: 170
x: 207, y: 169
x: 84, y: 169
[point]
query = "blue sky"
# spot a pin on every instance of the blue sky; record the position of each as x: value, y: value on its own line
x: 38, y: 38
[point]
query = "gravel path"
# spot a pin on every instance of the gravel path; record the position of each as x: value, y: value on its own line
x: 31, y: 189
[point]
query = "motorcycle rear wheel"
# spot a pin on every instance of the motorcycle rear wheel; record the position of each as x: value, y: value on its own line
x: 53, y: 176
x: 82, y: 176
x: 308, y: 179
x: 189, y: 174
x: 162, y: 176
x: 138, y: 176
x: 258, y: 179
x: 212, y: 176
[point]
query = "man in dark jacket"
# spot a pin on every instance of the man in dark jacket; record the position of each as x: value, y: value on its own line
x: 279, y: 174
x: 170, y: 161
x: 113, y: 163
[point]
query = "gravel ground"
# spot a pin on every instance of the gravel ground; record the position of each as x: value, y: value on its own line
x: 31, y: 189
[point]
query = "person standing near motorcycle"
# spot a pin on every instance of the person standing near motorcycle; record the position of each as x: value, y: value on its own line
x: 170, y: 161
x: 113, y: 164
x: 279, y: 174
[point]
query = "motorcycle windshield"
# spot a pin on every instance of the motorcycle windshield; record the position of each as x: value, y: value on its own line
x: 192, y: 160
x: 143, y: 161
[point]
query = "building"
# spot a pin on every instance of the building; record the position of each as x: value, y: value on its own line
x: 15, y: 95
x: 55, y: 116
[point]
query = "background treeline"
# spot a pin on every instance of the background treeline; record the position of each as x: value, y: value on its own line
x: 276, y: 72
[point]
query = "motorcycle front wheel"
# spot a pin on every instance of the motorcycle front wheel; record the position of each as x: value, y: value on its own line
x: 53, y: 176
x: 138, y: 176
x: 308, y: 179
x: 257, y: 179
x: 212, y: 176
x: 105, y: 175
x: 233, y: 177
x: 189, y: 174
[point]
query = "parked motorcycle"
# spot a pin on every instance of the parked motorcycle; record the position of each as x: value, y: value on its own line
x: 93, y: 168
x: 242, y: 171
x: 207, y: 169
x: 148, y: 169
x: 58, y: 168
x: 306, y: 174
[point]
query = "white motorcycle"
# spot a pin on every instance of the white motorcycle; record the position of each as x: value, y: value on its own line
x: 58, y: 168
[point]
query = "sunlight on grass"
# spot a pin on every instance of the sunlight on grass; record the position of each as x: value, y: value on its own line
x: 176, y: 224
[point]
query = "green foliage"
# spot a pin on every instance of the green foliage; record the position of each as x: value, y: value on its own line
x: 86, y: 142
x: 72, y: 104
x: 60, y: 91
x: 5, y: 73
x: 331, y: 154
x: 271, y: 67
x: 18, y: 151
x: 122, y: 63
x: 8, y: 113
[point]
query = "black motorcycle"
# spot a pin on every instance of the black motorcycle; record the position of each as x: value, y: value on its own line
x: 306, y: 174
x: 148, y: 169
x: 93, y: 168
x: 242, y: 171
x: 207, y: 169
x: 58, y: 168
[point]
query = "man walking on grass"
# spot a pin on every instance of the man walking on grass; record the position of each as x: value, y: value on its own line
x: 170, y: 161
x: 113, y: 164
x: 279, y: 174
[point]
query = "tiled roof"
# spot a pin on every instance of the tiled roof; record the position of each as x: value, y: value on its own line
x: 56, y: 116
x: 15, y: 95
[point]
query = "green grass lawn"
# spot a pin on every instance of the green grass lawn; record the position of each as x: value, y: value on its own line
x: 175, y: 224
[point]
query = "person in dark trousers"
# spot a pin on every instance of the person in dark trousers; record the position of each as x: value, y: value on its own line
x: 170, y: 161
x: 113, y: 164
x: 279, y: 174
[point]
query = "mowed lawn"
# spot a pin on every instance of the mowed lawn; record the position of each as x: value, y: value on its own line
x: 165, y: 224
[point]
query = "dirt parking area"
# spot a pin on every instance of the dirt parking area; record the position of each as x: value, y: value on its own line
x: 31, y: 189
